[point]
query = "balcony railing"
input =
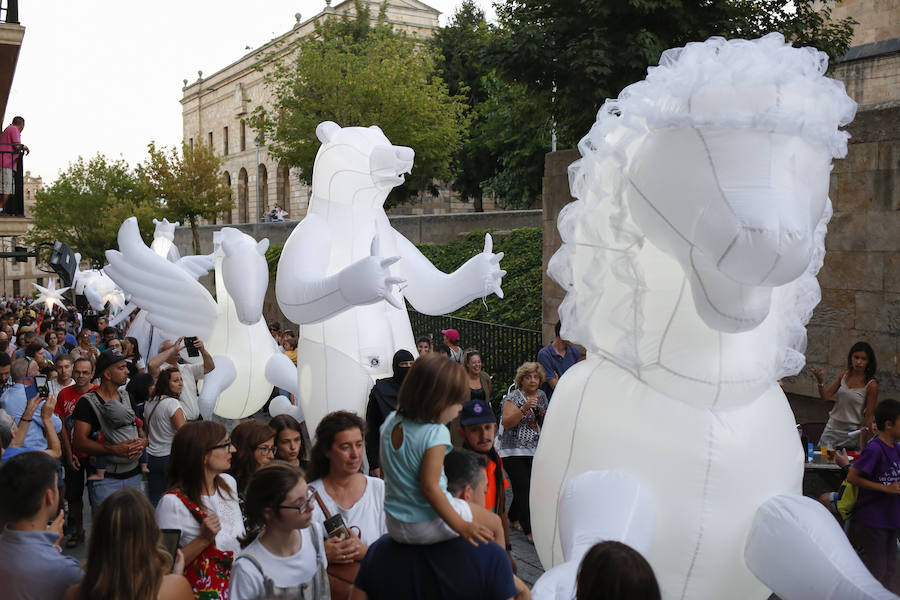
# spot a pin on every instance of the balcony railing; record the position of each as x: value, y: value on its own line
x: 9, y: 11
x: 12, y: 184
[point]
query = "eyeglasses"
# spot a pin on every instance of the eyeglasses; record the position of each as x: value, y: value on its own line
x: 266, y: 449
x: 224, y: 445
x: 305, y: 506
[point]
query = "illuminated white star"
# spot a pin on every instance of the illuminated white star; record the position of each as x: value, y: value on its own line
x: 50, y: 295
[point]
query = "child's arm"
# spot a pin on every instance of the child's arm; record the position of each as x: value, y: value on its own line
x: 855, y: 477
x: 430, y: 477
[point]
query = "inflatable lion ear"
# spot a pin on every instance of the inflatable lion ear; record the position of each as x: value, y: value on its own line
x: 326, y: 130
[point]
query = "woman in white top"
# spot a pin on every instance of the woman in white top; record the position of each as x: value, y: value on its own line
x: 855, y: 393
x: 334, y: 473
x: 283, y: 552
x: 202, y: 499
x: 163, y: 417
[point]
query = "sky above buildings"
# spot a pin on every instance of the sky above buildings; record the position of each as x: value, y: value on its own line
x: 106, y: 75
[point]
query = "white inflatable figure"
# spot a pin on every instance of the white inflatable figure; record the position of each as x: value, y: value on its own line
x: 98, y: 288
x: 340, y: 273
x: 689, y: 261
x: 149, y: 338
x: 164, y: 239
x: 49, y: 295
x: 232, y: 328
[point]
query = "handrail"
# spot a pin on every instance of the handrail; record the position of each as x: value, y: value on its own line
x: 12, y: 11
x: 15, y: 204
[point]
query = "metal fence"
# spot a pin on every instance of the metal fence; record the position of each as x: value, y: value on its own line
x: 12, y: 183
x: 503, y: 349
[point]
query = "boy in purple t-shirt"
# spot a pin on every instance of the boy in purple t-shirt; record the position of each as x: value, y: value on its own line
x: 876, y: 515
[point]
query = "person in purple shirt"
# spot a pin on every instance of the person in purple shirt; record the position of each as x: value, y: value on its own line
x: 556, y: 358
x: 31, y: 566
x: 10, y: 147
x: 875, y: 523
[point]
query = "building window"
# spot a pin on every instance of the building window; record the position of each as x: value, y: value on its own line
x: 210, y: 140
x: 191, y: 144
x: 225, y: 142
x: 243, y: 136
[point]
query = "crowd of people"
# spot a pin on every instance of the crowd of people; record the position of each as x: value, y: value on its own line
x: 184, y: 507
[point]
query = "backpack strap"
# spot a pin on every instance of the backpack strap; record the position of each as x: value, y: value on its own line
x: 268, y: 584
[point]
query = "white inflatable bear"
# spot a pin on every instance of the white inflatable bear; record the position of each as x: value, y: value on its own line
x: 340, y: 273
x: 689, y: 261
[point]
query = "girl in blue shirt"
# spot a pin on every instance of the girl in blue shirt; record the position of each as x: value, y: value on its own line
x: 414, y: 439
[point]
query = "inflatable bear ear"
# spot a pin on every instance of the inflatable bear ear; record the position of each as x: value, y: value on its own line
x: 376, y: 128
x: 326, y: 130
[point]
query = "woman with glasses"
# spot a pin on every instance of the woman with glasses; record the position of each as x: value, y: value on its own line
x: 254, y: 442
x: 202, y: 503
x: 283, y: 553
x: 334, y: 473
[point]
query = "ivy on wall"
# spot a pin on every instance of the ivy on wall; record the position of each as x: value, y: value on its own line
x: 521, y: 304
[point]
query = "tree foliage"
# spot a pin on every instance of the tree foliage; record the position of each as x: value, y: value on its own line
x: 584, y: 51
x: 189, y: 183
x: 357, y: 74
x: 86, y: 205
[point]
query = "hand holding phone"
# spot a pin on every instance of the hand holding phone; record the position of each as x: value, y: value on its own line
x: 170, y: 540
x: 189, y: 342
x: 40, y: 382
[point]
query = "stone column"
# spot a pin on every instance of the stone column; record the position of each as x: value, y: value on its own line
x: 555, y: 196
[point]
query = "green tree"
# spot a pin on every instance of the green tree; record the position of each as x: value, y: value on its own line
x: 462, y: 46
x: 584, y: 51
x: 359, y: 75
x: 86, y: 205
x: 189, y: 183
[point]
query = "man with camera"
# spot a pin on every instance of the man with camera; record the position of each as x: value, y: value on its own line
x: 15, y: 399
x: 190, y: 372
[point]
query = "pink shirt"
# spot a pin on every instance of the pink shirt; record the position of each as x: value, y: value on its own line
x: 11, y: 135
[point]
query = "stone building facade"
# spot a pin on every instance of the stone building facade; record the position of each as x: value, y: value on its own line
x: 215, y: 109
x: 16, y: 277
x: 860, y: 279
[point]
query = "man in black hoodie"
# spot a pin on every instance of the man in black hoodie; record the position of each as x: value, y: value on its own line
x: 382, y: 402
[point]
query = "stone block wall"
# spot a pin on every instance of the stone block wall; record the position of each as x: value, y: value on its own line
x: 555, y: 195
x: 861, y: 276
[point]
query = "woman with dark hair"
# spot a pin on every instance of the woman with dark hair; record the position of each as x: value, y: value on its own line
x: 133, y: 356
x: 382, y: 402
x: 254, y: 442
x: 615, y: 571
x: 289, y: 445
x: 53, y: 346
x: 855, y: 394
x: 124, y: 558
x: 202, y: 502
x: 334, y: 473
x: 164, y: 417
x: 283, y: 552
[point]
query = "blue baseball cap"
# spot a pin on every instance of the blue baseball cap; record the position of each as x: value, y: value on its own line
x: 476, y: 412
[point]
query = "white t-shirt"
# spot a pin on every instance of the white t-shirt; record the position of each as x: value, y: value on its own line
x: 55, y: 386
x: 247, y: 583
x: 171, y: 513
x: 160, y: 412
x: 190, y: 373
x: 367, y: 513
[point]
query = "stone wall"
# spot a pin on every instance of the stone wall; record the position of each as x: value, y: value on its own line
x: 555, y: 195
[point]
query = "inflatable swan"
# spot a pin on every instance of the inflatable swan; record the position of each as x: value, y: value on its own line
x: 247, y: 361
x: 339, y: 273
x: 689, y: 261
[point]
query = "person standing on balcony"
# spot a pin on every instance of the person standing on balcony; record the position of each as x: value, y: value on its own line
x: 10, y: 147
